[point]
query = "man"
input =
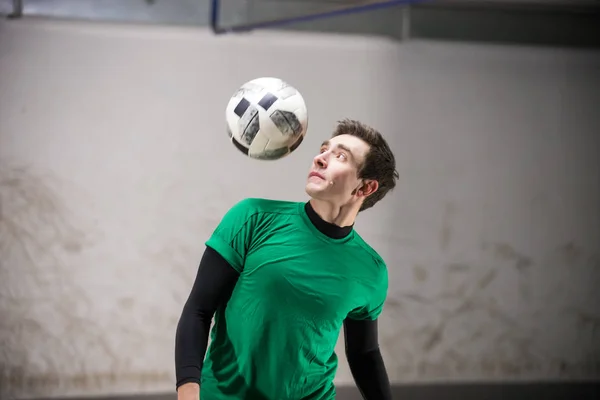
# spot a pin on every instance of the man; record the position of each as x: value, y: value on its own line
x: 282, y: 278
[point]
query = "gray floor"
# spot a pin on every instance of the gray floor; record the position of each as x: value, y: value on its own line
x: 529, y: 391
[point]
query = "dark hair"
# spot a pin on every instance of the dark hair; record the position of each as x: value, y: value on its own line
x: 379, y: 164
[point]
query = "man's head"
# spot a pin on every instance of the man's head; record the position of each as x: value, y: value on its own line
x: 355, y: 166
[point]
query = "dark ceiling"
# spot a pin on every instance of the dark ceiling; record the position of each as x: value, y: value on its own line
x: 569, y: 23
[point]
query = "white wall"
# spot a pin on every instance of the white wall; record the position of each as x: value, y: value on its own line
x: 115, y: 168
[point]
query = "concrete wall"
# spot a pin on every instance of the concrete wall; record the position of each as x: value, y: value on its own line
x: 114, y: 168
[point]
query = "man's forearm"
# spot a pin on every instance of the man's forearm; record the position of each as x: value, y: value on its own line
x: 214, y: 283
x: 188, y: 391
x: 191, y: 342
x: 370, y: 375
x: 365, y: 360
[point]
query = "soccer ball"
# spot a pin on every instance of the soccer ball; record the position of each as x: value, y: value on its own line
x: 266, y: 119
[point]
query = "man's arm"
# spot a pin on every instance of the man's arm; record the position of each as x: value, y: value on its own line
x: 212, y: 288
x: 365, y: 360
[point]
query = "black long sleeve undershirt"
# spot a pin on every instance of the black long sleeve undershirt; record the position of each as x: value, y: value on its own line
x: 212, y: 288
x: 365, y: 360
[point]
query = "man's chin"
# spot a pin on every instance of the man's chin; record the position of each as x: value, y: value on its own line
x: 312, y: 190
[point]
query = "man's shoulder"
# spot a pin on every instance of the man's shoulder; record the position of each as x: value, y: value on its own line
x: 368, y: 249
x: 257, y: 205
x: 372, y: 269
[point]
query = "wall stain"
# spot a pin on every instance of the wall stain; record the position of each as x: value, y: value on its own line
x: 127, y: 303
x: 72, y: 246
x: 571, y: 253
x: 416, y: 297
x: 446, y: 232
x: 487, y: 279
x: 435, y: 337
x: 505, y: 252
x: 458, y: 267
x: 588, y: 321
x: 419, y: 273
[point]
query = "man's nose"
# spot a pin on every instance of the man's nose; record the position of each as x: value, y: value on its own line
x: 321, y: 160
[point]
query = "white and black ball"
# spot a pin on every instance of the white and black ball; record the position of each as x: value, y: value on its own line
x: 267, y: 118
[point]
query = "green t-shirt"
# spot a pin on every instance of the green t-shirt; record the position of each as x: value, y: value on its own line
x: 276, y: 337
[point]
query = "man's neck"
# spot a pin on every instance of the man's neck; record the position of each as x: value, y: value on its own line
x: 334, y: 214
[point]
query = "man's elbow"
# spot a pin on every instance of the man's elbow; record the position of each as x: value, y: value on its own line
x: 363, y: 356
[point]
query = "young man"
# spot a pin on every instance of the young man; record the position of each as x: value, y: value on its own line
x: 282, y: 278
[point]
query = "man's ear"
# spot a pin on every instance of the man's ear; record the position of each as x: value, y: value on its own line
x: 368, y: 187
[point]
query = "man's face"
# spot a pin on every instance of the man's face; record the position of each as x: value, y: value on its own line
x: 334, y: 173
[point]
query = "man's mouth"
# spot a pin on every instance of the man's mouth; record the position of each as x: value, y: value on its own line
x: 318, y: 175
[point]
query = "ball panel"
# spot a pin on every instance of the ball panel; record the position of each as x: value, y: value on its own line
x: 268, y: 83
x: 241, y: 108
x: 272, y: 154
x: 248, y: 125
x: 267, y: 101
x: 287, y: 92
x: 258, y: 146
x: 287, y: 122
x: 250, y: 88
